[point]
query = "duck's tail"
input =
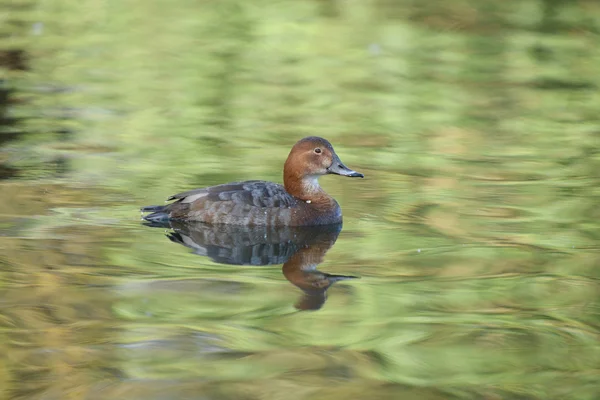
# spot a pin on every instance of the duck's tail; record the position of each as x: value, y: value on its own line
x: 157, y: 214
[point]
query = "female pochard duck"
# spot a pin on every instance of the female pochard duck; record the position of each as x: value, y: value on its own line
x: 299, y: 202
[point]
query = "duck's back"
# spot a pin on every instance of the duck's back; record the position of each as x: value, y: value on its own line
x: 238, y: 203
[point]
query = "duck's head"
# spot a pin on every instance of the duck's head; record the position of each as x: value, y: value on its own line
x: 312, y: 157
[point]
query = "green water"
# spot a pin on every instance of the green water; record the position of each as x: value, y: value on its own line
x: 475, y: 234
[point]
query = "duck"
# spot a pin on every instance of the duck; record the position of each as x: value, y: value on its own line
x: 300, y: 201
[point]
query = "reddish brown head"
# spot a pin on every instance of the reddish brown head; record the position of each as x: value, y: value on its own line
x: 310, y: 158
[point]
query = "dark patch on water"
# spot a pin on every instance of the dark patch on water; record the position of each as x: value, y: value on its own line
x: 562, y: 84
x: 14, y: 59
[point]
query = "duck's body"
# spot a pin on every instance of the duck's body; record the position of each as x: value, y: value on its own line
x: 246, y: 203
x: 299, y: 202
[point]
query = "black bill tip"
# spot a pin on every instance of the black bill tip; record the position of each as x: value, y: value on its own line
x: 355, y: 174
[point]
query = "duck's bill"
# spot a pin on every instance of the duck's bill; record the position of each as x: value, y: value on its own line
x: 339, y: 168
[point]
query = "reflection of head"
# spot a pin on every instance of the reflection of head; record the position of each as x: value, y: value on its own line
x: 313, y: 283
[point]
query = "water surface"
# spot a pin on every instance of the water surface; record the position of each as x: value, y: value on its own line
x: 475, y: 233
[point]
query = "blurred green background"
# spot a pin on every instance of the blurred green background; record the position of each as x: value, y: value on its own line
x: 476, y: 231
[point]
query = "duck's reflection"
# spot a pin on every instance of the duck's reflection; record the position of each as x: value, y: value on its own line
x: 299, y: 249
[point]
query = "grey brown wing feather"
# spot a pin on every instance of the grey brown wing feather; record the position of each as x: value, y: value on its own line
x: 242, y: 203
x: 183, y: 195
x: 253, y: 193
x: 211, y: 189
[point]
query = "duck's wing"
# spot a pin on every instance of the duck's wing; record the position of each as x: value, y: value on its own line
x: 251, y: 193
x: 239, y: 203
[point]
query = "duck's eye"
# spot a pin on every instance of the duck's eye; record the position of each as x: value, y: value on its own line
x: 318, y: 150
